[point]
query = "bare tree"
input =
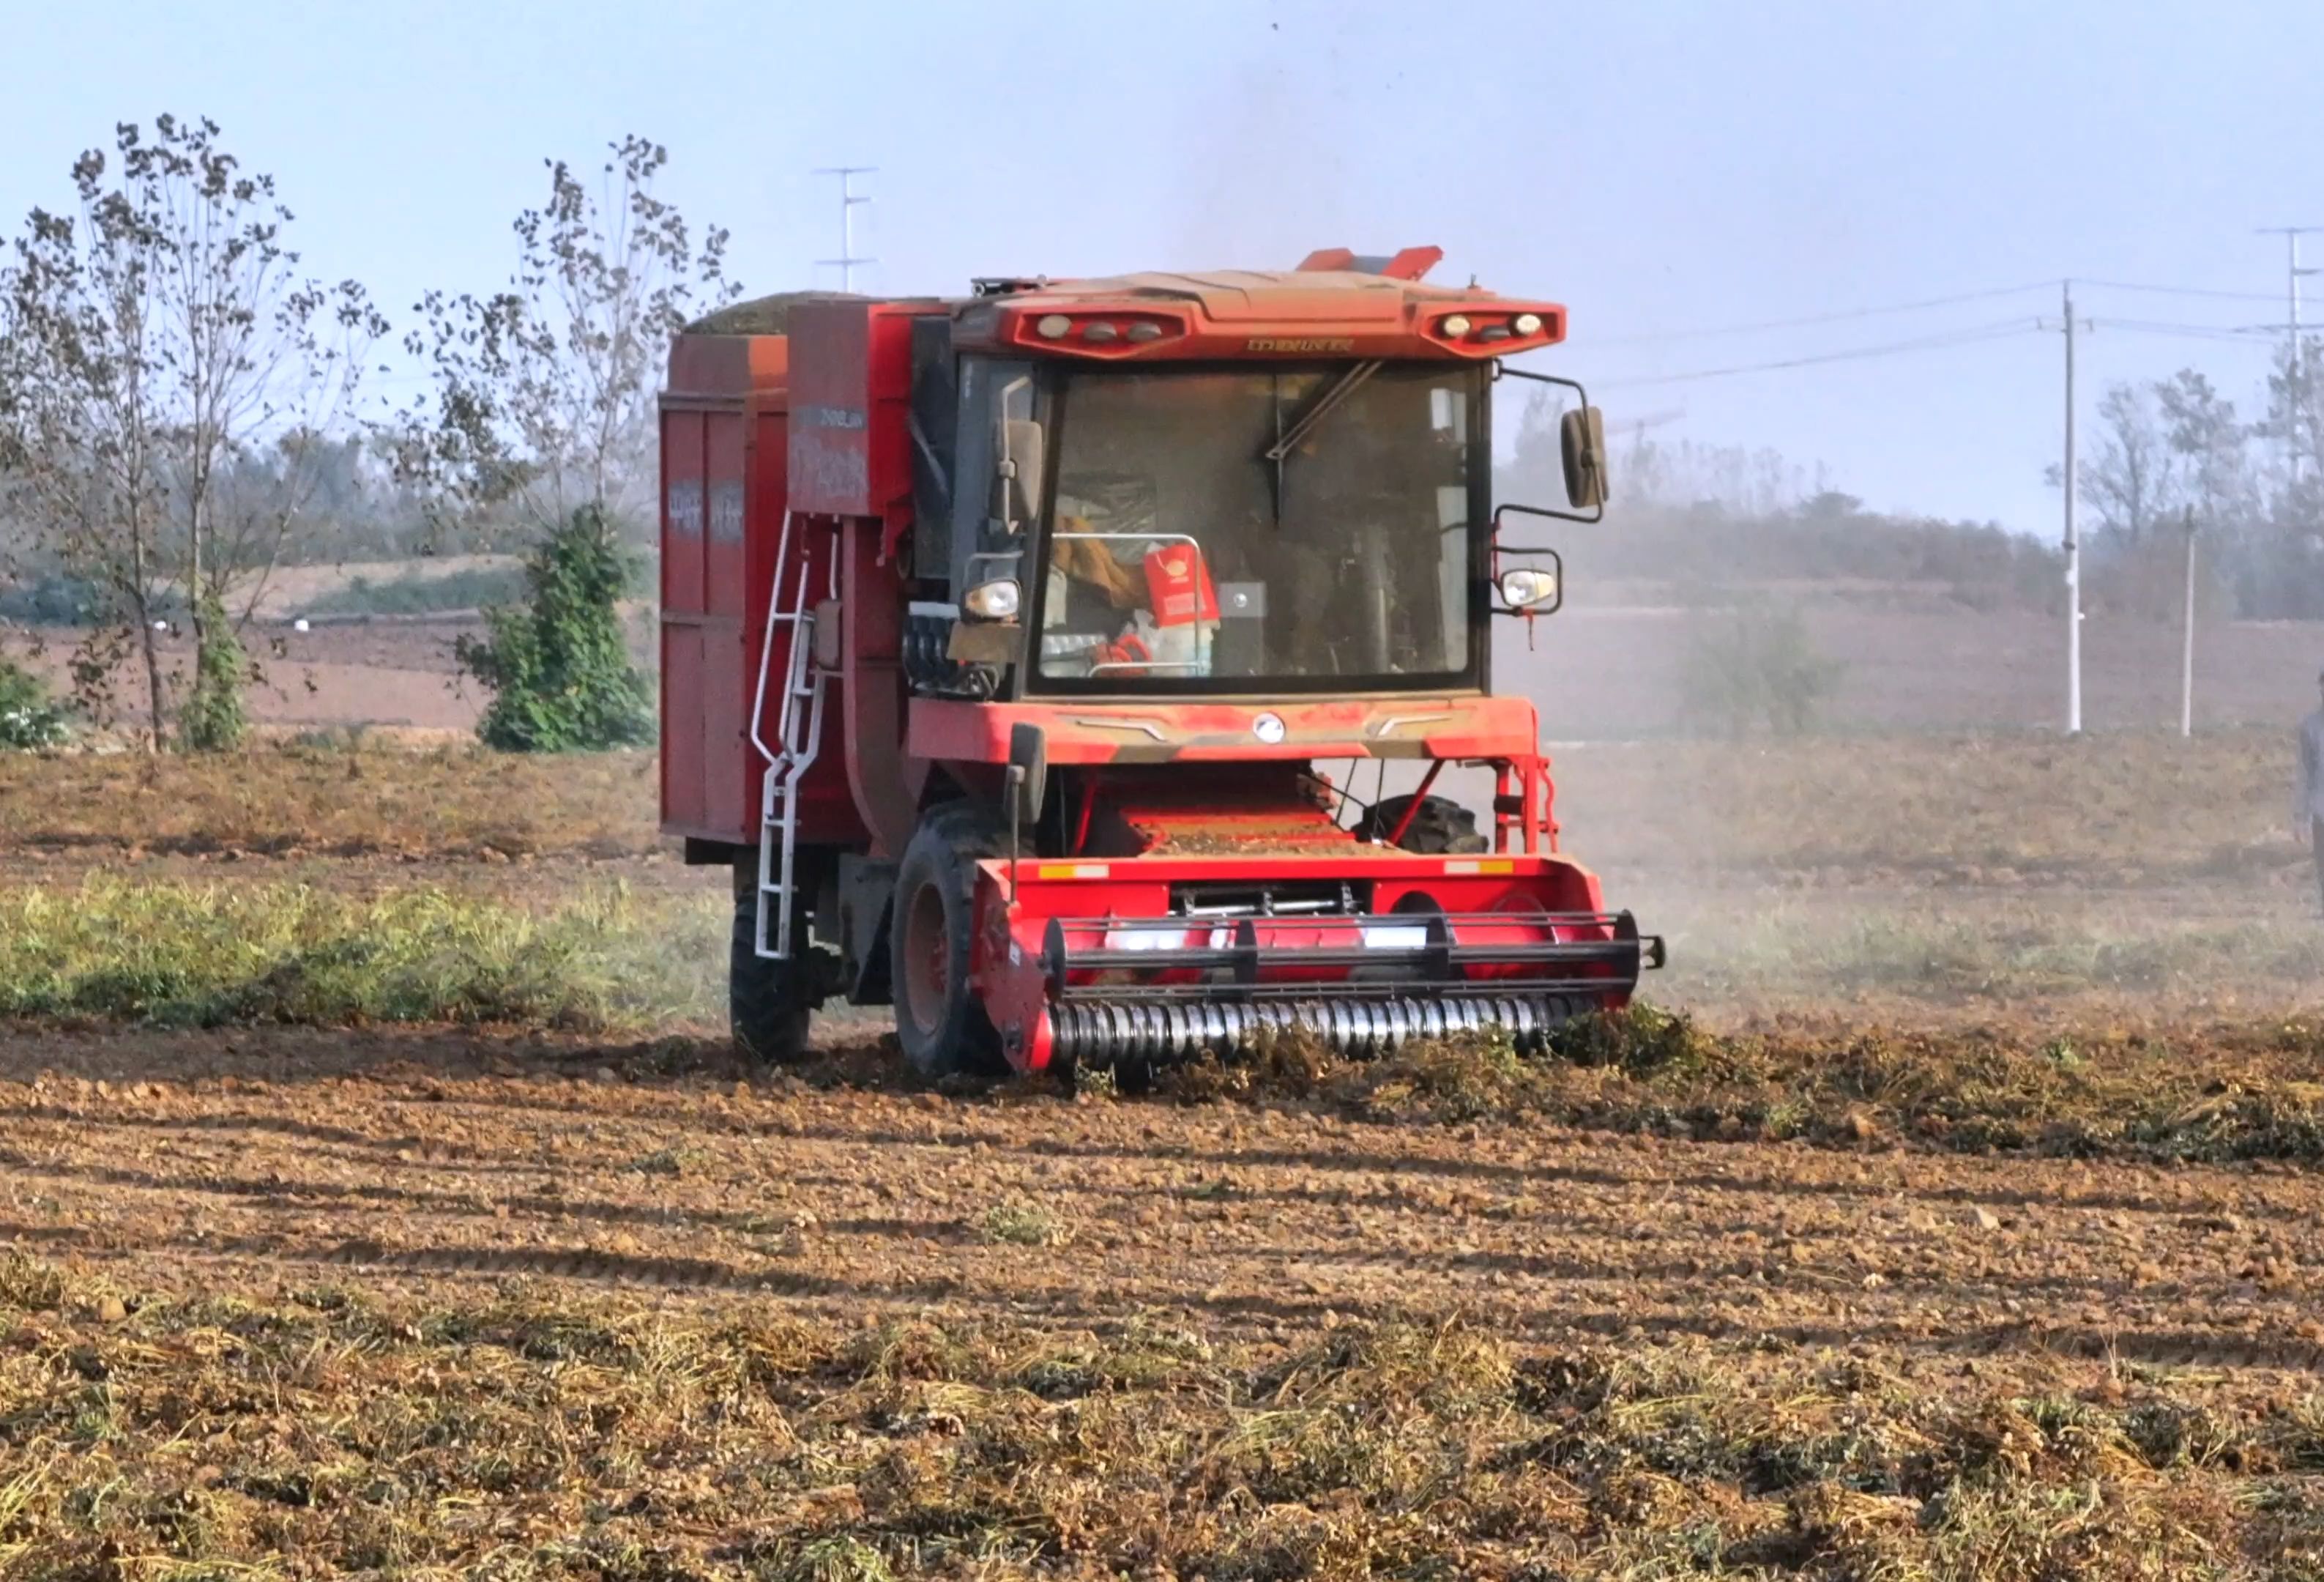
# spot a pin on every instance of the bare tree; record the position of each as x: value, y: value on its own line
x: 2132, y: 481
x: 165, y: 342
x: 542, y: 405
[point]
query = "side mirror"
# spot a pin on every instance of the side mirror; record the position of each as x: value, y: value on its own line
x: 1581, y: 445
x: 1028, y: 757
x: 1023, y: 464
x: 1019, y: 463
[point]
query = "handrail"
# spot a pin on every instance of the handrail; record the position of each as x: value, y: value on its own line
x: 767, y: 643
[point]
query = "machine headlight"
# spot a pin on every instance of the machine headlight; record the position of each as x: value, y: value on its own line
x: 1456, y: 326
x: 1053, y: 325
x: 993, y: 601
x: 1529, y: 323
x: 1524, y: 587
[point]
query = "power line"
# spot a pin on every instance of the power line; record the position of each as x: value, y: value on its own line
x: 2125, y: 285
x: 2244, y: 333
x: 1664, y: 335
x: 1922, y: 305
x: 1995, y: 331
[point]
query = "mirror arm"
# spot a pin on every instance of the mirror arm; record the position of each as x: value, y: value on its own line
x: 1598, y: 512
x: 1502, y: 370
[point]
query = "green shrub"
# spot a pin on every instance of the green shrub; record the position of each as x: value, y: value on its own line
x: 1752, y: 666
x: 29, y: 718
x: 213, y: 719
x: 556, y: 667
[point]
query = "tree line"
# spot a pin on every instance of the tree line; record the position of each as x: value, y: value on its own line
x: 186, y: 407
x: 2174, y: 456
x: 1708, y: 522
x: 2163, y: 457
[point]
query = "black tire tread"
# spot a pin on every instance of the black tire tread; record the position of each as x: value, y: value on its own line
x: 968, y: 832
x: 1443, y: 826
x: 765, y: 1009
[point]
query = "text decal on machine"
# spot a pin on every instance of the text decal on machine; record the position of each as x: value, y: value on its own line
x: 1318, y: 343
x: 830, y: 417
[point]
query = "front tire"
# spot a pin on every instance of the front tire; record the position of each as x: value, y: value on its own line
x: 943, y: 1027
x: 767, y: 1004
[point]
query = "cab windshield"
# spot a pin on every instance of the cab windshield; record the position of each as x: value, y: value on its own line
x: 1212, y: 528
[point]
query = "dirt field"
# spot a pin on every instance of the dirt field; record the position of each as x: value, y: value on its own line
x: 1916, y: 663
x: 1836, y: 1360
x: 2024, y: 1285
x: 347, y: 670
x: 266, y: 1156
x: 1605, y: 668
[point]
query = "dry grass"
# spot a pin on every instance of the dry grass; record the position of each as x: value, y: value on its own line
x: 242, y: 1434
x: 1999, y: 810
x: 346, y: 799
x: 2220, y: 951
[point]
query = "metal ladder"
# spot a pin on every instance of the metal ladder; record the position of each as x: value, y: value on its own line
x: 798, y: 738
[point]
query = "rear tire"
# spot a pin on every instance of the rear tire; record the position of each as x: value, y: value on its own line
x: 943, y: 1027
x: 767, y: 1004
x: 1441, y: 828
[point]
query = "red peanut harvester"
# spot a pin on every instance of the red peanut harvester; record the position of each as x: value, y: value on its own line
x: 1018, y: 650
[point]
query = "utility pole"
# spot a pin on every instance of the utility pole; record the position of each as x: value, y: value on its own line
x: 2187, y: 642
x: 2295, y: 355
x: 2073, y: 542
x: 848, y: 199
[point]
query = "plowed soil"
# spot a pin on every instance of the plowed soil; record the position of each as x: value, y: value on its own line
x: 286, y: 1301
x: 264, y: 1159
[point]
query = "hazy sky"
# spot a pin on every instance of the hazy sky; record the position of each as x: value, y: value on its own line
x: 1659, y: 167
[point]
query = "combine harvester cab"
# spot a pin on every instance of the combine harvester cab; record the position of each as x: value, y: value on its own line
x: 1020, y: 653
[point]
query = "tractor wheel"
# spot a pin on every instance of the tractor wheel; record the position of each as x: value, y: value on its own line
x: 1441, y: 828
x: 766, y: 1003
x: 942, y: 1026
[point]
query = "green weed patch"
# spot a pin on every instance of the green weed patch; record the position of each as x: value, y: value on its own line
x: 205, y: 956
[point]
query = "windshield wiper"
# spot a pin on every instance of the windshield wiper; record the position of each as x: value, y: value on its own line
x: 1321, y: 407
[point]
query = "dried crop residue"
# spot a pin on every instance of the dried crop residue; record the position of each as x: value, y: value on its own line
x: 360, y: 1301
x: 2023, y: 1283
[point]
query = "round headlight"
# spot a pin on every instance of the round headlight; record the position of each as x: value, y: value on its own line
x: 1100, y: 331
x: 993, y: 601
x: 1524, y: 587
x: 1145, y: 331
x: 1528, y: 323
x: 1457, y: 325
x: 1052, y: 327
